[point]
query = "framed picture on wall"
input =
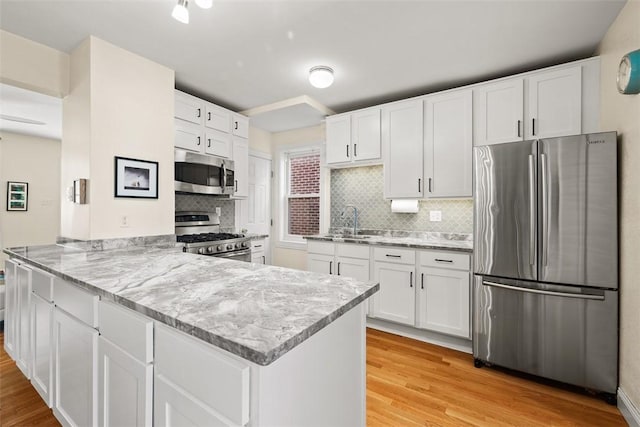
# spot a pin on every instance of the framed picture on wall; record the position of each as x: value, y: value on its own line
x: 17, y: 196
x: 136, y: 178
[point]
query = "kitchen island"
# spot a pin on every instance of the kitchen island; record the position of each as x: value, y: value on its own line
x: 197, y: 339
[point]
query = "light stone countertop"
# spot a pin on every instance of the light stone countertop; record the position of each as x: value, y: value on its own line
x: 416, y: 240
x: 255, y: 311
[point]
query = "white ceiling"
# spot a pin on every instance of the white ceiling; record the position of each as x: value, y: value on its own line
x: 245, y: 54
x: 30, y: 113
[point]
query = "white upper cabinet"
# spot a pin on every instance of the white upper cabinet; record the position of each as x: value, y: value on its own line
x: 402, y: 144
x: 188, y: 136
x: 217, y: 118
x: 541, y: 104
x: 448, y: 142
x: 499, y: 112
x: 240, y: 126
x: 554, y: 104
x: 354, y: 137
x: 188, y: 108
x: 339, y: 139
x: 217, y: 143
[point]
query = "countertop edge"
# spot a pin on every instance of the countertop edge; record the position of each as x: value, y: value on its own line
x: 379, y: 243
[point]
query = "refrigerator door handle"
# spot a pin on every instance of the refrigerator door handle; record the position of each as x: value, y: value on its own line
x: 541, y: 292
x: 545, y: 210
x: 532, y: 212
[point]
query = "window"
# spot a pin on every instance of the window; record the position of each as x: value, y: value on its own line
x: 301, y: 204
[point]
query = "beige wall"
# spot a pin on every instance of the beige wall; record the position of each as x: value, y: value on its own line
x: 622, y: 114
x: 120, y: 104
x: 281, y: 256
x: 33, y: 66
x: 36, y: 161
x: 259, y: 140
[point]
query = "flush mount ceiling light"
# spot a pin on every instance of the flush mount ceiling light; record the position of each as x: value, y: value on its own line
x: 321, y: 76
x: 205, y: 4
x: 180, y: 12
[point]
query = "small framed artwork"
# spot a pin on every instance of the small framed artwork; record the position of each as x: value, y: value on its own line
x: 136, y: 178
x: 17, y: 196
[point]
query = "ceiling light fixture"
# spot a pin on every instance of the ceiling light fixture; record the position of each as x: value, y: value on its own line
x: 321, y: 76
x: 205, y: 4
x: 180, y: 12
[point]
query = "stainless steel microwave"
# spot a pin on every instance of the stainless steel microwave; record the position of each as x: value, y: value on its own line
x: 202, y: 174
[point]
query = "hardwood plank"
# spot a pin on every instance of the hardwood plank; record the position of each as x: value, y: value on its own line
x: 412, y: 382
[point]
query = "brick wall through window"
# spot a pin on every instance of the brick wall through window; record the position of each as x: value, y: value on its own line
x: 304, y: 182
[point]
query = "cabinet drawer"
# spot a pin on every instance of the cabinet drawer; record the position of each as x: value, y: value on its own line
x: 219, y: 381
x: 353, y: 251
x: 390, y: 254
x: 75, y: 301
x: 127, y: 329
x: 42, y: 284
x: 257, y: 245
x: 324, y: 248
x: 440, y: 259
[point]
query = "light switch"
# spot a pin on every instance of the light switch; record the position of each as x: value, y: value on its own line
x: 218, y: 210
x: 435, y: 216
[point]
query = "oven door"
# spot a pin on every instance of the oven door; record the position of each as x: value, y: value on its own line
x: 197, y: 173
x: 241, y: 255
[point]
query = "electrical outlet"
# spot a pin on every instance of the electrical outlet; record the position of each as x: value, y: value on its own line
x: 435, y: 216
x: 218, y: 210
x: 124, y: 221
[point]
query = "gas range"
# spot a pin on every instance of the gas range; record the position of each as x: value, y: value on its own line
x: 200, y: 233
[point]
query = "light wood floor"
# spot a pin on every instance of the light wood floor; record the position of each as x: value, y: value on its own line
x: 408, y: 383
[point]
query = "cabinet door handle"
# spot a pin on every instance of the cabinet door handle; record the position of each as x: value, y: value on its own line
x: 199, y: 113
x: 330, y: 265
x: 443, y: 260
x: 533, y: 127
x: 411, y: 279
x: 338, y: 268
x: 236, y: 185
x: 198, y: 141
x: 429, y: 185
x: 264, y: 259
x: 347, y: 151
x: 355, y: 150
x: 419, y: 185
x: 518, y: 128
x: 257, y: 246
x: 208, y: 142
x: 422, y: 281
x: 393, y: 256
x: 236, y: 125
x: 208, y: 116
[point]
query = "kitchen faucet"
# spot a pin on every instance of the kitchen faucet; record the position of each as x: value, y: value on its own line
x: 355, y: 217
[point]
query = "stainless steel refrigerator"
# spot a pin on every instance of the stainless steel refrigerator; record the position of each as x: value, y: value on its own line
x: 545, y: 286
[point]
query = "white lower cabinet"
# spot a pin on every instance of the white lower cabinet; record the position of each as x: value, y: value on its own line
x: 258, y: 251
x: 396, y: 299
x: 444, y: 293
x: 125, y: 387
x: 41, y: 347
x: 320, y: 263
x: 23, y: 293
x: 76, y: 369
x: 10, y: 299
x: 341, y: 259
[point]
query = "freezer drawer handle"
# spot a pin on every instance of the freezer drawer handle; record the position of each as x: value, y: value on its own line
x: 443, y: 260
x: 541, y: 292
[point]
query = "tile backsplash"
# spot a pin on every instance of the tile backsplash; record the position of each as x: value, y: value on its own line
x: 363, y: 187
x: 197, y: 202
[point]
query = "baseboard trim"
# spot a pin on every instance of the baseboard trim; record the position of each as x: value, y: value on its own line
x: 442, y: 340
x: 629, y: 411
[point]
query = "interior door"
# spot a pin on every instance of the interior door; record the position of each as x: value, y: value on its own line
x: 505, y: 210
x: 578, y: 210
x: 255, y: 211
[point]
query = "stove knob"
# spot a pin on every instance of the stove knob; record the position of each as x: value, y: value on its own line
x: 201, y: 251
x: 245, y: 244
x: 211, y: 249
x: 219, y: 248
x: 229, y: 246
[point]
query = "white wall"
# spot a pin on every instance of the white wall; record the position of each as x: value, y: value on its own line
x: 36, y: 161
x: 622, y: 114
x: 285, y: 257
x: 259, y: 140
x: 120, y: 104
x: 33, y: 66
